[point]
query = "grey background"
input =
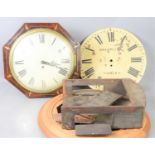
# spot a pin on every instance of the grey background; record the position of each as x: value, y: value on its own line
x: 18, y: 114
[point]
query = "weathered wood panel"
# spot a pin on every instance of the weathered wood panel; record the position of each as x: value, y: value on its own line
x: 93, y: 130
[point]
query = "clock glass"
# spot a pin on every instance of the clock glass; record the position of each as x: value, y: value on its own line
x: 112, y: 53
x: 40, y: 59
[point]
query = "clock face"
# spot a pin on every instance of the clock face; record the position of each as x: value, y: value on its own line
x: 112, y: 53
x: 41, y: 59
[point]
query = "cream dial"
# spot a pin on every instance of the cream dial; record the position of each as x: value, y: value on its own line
x: 41, y: 59
x: 112, y: 53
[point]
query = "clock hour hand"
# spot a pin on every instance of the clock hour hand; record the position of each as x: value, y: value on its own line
x: 45, y: 63
x: 50, y: 63
x: 121, y: 43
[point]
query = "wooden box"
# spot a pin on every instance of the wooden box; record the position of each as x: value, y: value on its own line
x: 126, y: 112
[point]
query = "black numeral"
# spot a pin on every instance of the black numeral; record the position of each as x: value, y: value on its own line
x: 22, y: 73
x: 89, y: 49
x: 31, y: 81
x: 89, y: 72
x: 43, y: 84
x: 132, y: 47
x: 41, y: 38
x: 63, y: 71
x: 53, y: 41
x: 134, y: 72
x: 99, y: 40
x: 136, y: 59
x: 111, y: 36
x: 20, y: 62
x: 87, y: 61
x: 65, y: 60
x: 55, y: 80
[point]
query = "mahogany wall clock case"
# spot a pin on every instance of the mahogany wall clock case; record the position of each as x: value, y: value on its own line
x: 39, y: 57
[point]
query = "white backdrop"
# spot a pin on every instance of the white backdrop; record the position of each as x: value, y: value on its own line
x: 18, y: 114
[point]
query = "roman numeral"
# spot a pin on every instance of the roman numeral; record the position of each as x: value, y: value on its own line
x: 55, y: 80
x: 87, y: 61
x: 87, y: 48
x: 132, y: 47
x: 53, y: 41
x: 43, y: 84
x: 136, y: 59
x: 111, y: 36
x: 65, y: 61
x: 41, y: 38
x: 89, y: 72
x: 63, y: 71
x: 31, y: 81
x: 134, y: 72
x: 22, y: 73
x: 99, y: 40
x: 20, y: 62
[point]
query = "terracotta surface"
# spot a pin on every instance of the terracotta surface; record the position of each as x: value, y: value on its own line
x: 53, y: 129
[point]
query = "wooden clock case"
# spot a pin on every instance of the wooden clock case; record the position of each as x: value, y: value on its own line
x: 6, y: 51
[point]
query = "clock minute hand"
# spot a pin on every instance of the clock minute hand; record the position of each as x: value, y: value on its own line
x: 121, y: 44
x: 45, y: 63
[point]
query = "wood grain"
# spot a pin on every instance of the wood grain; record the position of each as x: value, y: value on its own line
x: 52, y: 129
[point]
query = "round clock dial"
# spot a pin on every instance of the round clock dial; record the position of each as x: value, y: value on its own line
x: 40, y: 59
x: 112, y: 53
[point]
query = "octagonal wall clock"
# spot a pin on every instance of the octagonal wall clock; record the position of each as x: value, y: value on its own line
x: 112, y: 53
x: 39, y: 57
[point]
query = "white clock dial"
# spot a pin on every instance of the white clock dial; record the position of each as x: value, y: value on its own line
x: 41, y: 59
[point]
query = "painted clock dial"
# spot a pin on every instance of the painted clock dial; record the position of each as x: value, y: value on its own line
x: 40, y: 59
x: 112, y: 53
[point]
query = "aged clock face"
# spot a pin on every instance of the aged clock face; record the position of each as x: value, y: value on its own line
x: 112, y: 53
x: 41, y: 59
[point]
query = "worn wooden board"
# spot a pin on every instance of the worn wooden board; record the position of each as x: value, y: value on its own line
x: 79, y: 119
x: 105, y: 98
x: 52, y: 129
x: 93, y: 130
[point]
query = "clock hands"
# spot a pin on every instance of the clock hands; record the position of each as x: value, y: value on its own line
x: 121, y: 43
x: 62, y: 71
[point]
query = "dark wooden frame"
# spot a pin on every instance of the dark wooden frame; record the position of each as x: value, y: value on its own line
x: 6, y: 51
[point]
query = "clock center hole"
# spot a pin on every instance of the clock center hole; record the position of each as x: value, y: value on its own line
x: 111, y: 60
